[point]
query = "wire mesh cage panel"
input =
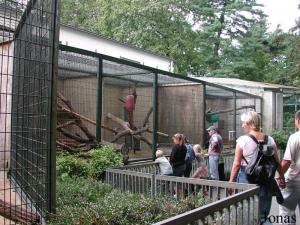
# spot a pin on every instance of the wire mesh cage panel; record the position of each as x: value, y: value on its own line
x: 219, y: 111
x: 291, y: 104
x: 76, y: 101
x: 27, y: 39
x: 128, y: 99
x: 245, y: 103
x: 180, y: 110
x: 224, y: 108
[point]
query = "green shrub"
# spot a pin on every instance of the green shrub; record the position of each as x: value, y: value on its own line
x: 70, y: 165
x: 79, y: 190
x: 281, y: 138
x: 102, y: 159
x: 92, y: 163
x: 87, y: 201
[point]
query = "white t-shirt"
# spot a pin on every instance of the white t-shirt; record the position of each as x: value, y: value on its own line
x: 292, y: 153
x: 249, y: 147
x: 164, y: 166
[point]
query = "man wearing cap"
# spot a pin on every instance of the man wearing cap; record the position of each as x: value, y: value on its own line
x: 214, y: 151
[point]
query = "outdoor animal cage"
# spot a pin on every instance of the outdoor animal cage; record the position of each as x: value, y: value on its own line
x: 113, y: 101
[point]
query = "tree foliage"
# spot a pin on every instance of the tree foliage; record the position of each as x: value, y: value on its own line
x: 225, y: 38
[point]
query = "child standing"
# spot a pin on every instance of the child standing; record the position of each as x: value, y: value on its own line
x: 202, y: 171
x: 164, y: 164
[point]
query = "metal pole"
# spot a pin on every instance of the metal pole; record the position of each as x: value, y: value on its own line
x: 51, y: 204
x: 274, y: 94
x: 204, y: 115
x: 234, y: 117
x: 155, y: 111
x: 99, y: 100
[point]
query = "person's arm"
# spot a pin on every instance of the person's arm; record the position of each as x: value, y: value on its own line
x: 285, y: 164
x: 172, y: 156
x: 280, y: 180
x: 236, y: 163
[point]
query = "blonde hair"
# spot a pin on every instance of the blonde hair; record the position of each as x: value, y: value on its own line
x: 159, y: 153
x: 197, y: 148
x: 252, y: 119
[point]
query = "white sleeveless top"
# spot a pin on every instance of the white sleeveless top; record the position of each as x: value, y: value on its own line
x: 248, y: 147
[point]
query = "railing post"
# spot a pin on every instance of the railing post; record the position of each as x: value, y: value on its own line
x: 256, y: 210
x: 153, y: 185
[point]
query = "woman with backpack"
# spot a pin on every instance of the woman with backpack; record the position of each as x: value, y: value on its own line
x: 247, y: 148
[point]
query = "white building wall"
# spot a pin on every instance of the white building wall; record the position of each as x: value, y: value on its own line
x: 92, y: 42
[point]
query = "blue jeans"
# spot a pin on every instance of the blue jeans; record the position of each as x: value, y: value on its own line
x: 265, y: 196
x: 213, y: 167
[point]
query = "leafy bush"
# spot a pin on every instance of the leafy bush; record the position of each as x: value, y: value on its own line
x: 79, y: 190
x: 281, y: 138
x: 92, y: 163
x: 102, y: 159
x: 86, y: 201
x: 70, y: 165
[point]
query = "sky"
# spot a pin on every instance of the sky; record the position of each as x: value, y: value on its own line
x: 283, y: 12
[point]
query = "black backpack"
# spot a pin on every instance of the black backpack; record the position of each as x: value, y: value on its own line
x: 262, y: 166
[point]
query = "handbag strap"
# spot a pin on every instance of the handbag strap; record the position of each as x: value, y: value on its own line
x: 257, y: 142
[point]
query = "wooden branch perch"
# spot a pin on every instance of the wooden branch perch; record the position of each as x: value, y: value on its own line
x: 71, y: 122
x: 159, y: 133
x: 230, y: 110
x: 146, y: 119
x: 119, y: 121
x: 76, y: 115
x: 75, y: 137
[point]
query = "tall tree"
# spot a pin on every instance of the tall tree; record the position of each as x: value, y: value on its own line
x: 197, y: 35
x: 160, y: 26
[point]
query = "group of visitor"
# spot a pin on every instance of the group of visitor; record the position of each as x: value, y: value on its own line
x: 183, y: 155
x: 288, y: 169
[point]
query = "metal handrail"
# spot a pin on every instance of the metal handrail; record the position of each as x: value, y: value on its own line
x: 239, y: 207
x: 202, y: 212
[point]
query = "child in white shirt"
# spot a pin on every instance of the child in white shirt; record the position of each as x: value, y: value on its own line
x: 164, y: 164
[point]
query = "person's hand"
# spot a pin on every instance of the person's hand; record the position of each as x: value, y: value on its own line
x: 230, y: 191
x: 281, y: 182
x: 206, y: 155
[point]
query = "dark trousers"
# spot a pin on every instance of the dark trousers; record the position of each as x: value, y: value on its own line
x: 221, y: 171
x: 188, y: 169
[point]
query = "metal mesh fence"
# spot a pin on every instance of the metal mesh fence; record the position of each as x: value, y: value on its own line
x: 128, y: 96
x: 27, y: 31
x: 76, y: 102
x: 180, y: 109
x: 224, y: 108
x: 291, y: 104
x: 141, y: 108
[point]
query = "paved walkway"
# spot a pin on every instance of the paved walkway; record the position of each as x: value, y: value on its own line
x: 275, y: 211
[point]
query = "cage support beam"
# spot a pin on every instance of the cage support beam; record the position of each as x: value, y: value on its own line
x: 155, y: 116
x: 51, y: 170
x: 99, y: 100
x: 234, y: 115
